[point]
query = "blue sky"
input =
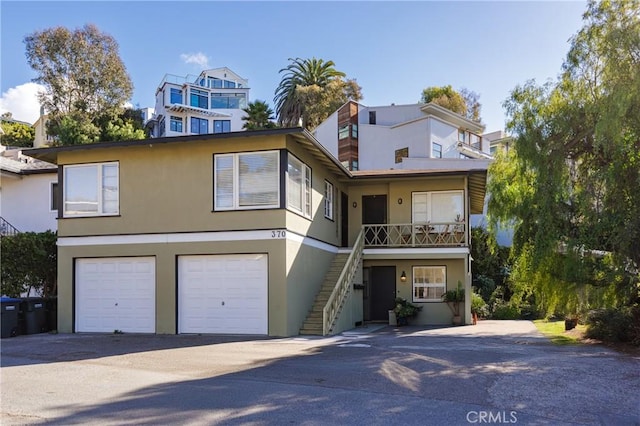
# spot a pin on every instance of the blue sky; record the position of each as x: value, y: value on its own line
x: 393, y: 49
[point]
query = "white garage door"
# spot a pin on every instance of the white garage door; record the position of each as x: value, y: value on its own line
x: 223, y: 294
x: 116, y: 294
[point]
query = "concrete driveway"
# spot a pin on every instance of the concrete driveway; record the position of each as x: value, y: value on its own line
x: 495, y: 372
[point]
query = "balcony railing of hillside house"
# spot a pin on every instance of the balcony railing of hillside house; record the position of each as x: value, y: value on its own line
x: 7, y: 229
x: 404, y: 235
x: 343, y: 286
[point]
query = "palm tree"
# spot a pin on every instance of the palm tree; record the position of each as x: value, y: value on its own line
x: 300, y: 72
x: 259, y: 116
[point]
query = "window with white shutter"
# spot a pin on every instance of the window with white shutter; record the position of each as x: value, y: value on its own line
x: 246, y: 181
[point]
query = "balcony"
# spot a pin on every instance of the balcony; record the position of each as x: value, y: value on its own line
x: 416, y: 235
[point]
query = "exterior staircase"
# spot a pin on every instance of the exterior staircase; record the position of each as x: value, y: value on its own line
x: 313, y: 324
x: 7, y: 229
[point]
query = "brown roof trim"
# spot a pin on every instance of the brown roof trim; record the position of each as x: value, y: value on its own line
x: 50, y: 154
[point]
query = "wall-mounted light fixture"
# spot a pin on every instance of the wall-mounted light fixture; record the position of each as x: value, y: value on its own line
x: 399, y: 200
x: 403, y: 276
x: 354, y: 204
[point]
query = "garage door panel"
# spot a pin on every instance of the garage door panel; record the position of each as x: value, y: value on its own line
x: 115, y: 294
x: 223, y: 294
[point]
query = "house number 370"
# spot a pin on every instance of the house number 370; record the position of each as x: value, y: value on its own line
x: 278, y: 234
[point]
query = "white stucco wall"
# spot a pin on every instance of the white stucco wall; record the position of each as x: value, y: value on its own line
x: 447, y: 136
x: 25, y: 202
x: 327, y: 133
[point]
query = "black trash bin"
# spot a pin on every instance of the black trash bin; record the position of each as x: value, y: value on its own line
x: 10, y: 309
x: 51, y: 304
x: 34, y: 314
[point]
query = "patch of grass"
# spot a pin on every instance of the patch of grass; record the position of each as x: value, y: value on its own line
x: 554, y: 330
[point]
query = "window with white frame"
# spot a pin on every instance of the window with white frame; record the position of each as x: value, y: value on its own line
x: 437, y: 207
x: 91, y: 190
x: 429, y: 283
x: 246, y: 181
x: 175, y: 124
x: 299, y: 186
x: 328, y: 200
x: 436, y: 150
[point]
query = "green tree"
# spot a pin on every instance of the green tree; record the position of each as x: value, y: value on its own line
x: 570, y: 184
x: 259, y: 116
x: 16, y: 134
x: 29, y: 260
x: 464, y: 102
x: 303, y: 93
x: 490, y: 264
x: 84, y: 78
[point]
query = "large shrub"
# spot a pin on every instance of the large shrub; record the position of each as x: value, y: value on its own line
x: 29, y: 261
x: 615, y: 324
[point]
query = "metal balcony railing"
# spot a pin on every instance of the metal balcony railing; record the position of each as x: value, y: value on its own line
x: 7, y: 229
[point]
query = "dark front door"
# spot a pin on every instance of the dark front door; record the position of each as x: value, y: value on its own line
x: 344, y: 219
x: 374, y: 212
x: 382, y: 292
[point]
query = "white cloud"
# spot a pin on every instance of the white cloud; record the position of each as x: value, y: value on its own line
x: 196, y: 58
x: 22, y: 102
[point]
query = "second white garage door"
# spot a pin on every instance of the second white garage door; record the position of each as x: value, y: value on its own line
x: 223, y: 294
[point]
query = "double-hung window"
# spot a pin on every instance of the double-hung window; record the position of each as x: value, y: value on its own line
x: 328, y: 200
x: 299, y: 187
x: 199, y: 125
x: 247, y: 181
x: 91, y: 190
x: 429, y: 283
x: 199, y: 99
x: 175, y: 124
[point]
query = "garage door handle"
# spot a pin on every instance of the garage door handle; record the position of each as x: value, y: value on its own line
x: 223, y: 303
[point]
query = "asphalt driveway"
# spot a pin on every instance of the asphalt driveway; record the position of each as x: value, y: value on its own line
x: 496, y: 372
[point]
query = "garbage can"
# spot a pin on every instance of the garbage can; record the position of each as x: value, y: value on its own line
x: 34, y: 314
x: 9, y: 316
x: 51, y: 305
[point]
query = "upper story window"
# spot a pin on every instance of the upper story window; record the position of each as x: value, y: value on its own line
x: 299, y: 187
x: 176, y: 96
x: 175, y: 124
x: 91, y: 190
x: 439, y: 207
x: 214, y: 83
x: 354, y: 131
x: 229, y: 84
x: 343, y: 131
x: 328, y: 200
x: 199, y: 125
x: 462, y: 136
x: 228, y: 100
x: 161, y: 127
x: 436, y: 150
x: 221, y: 126
x: 247, y: 181
x: 199, y: 98
x: 54, y: 197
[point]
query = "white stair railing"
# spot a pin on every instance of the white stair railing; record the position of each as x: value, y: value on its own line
x: 343, y: 286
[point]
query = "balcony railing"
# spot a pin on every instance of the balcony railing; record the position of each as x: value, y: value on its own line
x: 7, y: 229
x: 405, y: 235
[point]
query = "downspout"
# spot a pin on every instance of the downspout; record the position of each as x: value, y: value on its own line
x: 467, y: 283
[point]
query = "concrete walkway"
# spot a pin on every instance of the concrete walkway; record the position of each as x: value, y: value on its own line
x: 503, y: 371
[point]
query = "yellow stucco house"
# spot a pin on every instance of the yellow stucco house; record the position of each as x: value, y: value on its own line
x: 257, y: 232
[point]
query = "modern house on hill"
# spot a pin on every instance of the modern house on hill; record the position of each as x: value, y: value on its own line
x: 401, y: 137
x: 210, y: 102
x: 254, y: 232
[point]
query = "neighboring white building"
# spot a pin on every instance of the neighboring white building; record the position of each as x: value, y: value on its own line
x: 211, y: 102
x: 28, y: 189
x: 400, y: 136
